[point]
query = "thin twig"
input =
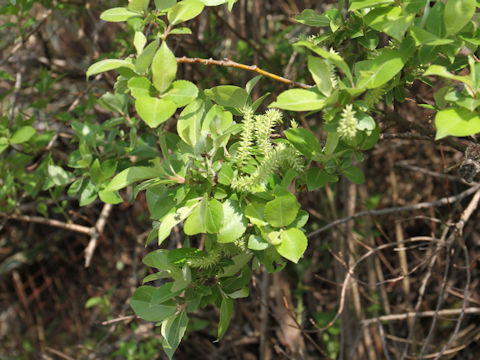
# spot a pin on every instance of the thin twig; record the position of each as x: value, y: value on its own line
x: 45, y: 221
x: 422, y: 205
x: 411, y: 314
x: 121, y: 318
x: 98, y: 230
x: 252, y: 68
x: 59, y: 353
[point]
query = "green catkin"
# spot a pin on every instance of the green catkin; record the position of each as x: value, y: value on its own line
x: 212, y: 258
x: 206, y: 261
x: 373, y: 96
x: 279, y: 156
x: 347, y: 126
x: 263, y: 129
x: 246, y: 140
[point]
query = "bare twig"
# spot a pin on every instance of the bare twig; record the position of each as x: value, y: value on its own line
x: 121, y: 318
x: 411, y: 314
x: 45, y: 221
x: 59, y: 353
x: 97, y: 231
x: 252, y: 68
x: 419, y: 206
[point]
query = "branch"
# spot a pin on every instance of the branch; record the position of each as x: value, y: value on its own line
x: 252, y: 68
x: 97, y: 230
x: 412, y: 314
x: 45, y: 221
x: 423, y: 205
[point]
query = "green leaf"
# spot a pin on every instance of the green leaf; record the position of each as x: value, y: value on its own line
x: 189, y: 124
x: 457, y: 14
x: 377, y: 72
x: 354, y: 174
x: 118, y: 14
x: 226, y: 310
x: 174, y: 217
x: 293, y: 244
x: 158, y: 259
x: 131, y: 175
x: 59, y: 176
x: 93, y: 302
x: 456, y: 122
x: 282, y: 210
x: 182, y: 92
x: 312, y: 18
x: 214, y: 216
x: 423, y: 37
x: 184, y: 10
x: 214, y: 2
x: 196, y: 222
x: 164, y: 68
x: 181, y: 31
x: 139, y: 41
x: 88, y: 192
x: 173, y: 330
x: 22, y: 135
x: 145, y: 58
x: 143, y: 305
x: 435, y: 20
x: 255, y: 212
x: 140, y: 87
x: 107, y: 65
x: 316, y: 178
x: 110, y: 197
x: 228, y: 95
x: 389, y: 20
x: 257, y: 243
x: 154, y: 111
x: 360, y: 4
x: 164, y: 4
x: 234, y: 222
x: 321, y: 74
x: 443, y: 72
x: 299, y: 100
x: 3, y: 144
x: 250, y: 84
x: 304, y: 141
x: 333, y: 58
x: 138, y: 5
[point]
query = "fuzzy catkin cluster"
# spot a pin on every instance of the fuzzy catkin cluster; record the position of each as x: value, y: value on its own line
x: 246, y: 140
x: 272, y: 156
x: 347, y: 126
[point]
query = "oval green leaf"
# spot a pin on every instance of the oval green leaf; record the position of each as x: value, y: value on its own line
x: 184, y: 10
x: 282, y: 210
x: 107, y: 65
x: 228, y: 95
x: 293, y: 244
x: 234, y: 222
x: 456, y: 122
x: 118, y: 14
x: 143, y: 305
x: 164, y: 68
x: 154, y: 111
x: 22, y: 135
x: 299, y: 100
x: 182, y: 92
x: 457, y: 14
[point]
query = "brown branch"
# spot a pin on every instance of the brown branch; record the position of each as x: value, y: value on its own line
x: 422, y: 205
x: 252, y: 68
x: 411, y: 314
x: 50, y: 222
x: 97, y: 231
